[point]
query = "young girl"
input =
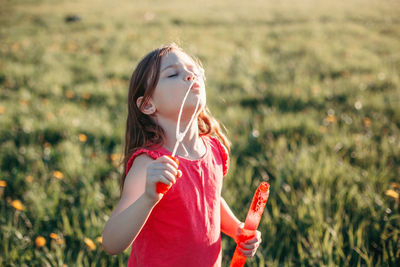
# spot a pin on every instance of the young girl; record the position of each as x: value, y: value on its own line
x: 183, y: 226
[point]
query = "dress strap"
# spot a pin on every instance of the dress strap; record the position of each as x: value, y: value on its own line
x: 224, y: 154
x: 150, y: 153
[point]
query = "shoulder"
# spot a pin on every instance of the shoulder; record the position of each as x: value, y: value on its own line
x: 137, y: 170
x: 139, y: 156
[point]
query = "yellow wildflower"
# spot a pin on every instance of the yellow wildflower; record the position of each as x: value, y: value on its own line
x: 367, y: 122
x: 17, y: 205
x: 29, y: 178
x: 40, y: 241
x: 86, y: 96
x: 2, y: 110
x: 392, y: 193
x: 69, y: 94
x: 54, y: 236
x: 99, y: 239
x: 24, y: 102
x: 116, y: 157
x: 89, y: 243
x: 331, y: 118
x: 82, y: 138
x: 59, y: 175
x: 3, y: 183
x: 59, y: 240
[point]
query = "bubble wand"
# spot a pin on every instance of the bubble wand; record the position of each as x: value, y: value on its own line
x: 253, y: 219
x: 161, y: 187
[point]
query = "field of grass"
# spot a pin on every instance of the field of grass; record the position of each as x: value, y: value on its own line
x: 309, y: 92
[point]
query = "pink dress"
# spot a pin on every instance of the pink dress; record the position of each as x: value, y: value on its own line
x: 184, y: 228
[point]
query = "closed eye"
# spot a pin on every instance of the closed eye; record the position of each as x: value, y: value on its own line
x: 172, y: 75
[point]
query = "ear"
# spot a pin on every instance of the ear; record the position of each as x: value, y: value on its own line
x: 148, y: 109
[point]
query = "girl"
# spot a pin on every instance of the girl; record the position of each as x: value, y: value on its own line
x: 181, y: 227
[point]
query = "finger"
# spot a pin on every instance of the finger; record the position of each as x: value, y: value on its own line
x: 167, y: 159
x: 256, y: 238
x: 171, y: 177
x: 247, y: 253
x: 252, y: 240
x: 249, y: 246
x: 166, y: 166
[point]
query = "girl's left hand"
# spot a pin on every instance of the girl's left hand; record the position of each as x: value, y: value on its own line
x: 249, y: 247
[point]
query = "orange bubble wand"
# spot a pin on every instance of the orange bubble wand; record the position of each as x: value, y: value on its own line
x: 161, y: 187
x: 253, y: 219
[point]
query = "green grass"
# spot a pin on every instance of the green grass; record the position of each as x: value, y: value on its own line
x: 309, y: 92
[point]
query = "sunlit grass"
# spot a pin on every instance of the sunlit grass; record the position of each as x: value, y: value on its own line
x: 309, y: 92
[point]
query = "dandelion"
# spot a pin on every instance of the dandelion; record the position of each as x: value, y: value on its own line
x: 367, y: 122
x: 47, y: 145
x: 59, y: 175
x: 255, y: 133
x: 17, y: 204
x: 89, y: 243
x: 358, y: 105
x: 40, y: 241
x: 331, y: 118
x: 45, y: 101
x: 24, y: 102
x: 99, y: 239
x: 15, y: 47
x: 116, y: 157
x: 393, y: 194
x: 57, y: 238
x: 82, y: 138
x: 86, y: 96
x: 69, y: 94
x: 3, y: 183
x: 54, y: 236
x: 2, y: 110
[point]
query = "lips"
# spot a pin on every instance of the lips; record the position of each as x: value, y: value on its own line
x: 195, y: 87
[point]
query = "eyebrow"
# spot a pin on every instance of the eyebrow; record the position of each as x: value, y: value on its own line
x: 170, y: 66
x: 176, y: 65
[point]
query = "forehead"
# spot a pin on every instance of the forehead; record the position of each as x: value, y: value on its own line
x: 176, y: 57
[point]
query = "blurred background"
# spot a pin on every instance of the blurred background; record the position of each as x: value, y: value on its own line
x: 309, y: 92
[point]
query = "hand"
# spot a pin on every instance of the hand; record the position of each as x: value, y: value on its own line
x: 164, y: 170
x: 248, y: 241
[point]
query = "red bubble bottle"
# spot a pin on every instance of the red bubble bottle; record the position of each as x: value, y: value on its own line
x: 162, y: 188
x: 253, y: 219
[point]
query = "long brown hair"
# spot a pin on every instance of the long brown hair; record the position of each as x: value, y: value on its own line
x: 141, y: 129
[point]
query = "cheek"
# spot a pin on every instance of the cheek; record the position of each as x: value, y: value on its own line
x: 164, y: 99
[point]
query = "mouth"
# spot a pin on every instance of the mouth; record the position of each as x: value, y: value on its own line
x: 195, y: 87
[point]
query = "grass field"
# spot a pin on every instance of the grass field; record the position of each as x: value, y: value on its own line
x: 309, y: 92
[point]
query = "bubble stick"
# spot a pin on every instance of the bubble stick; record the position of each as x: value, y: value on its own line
x: 253, y: 219
x: 161, y: 187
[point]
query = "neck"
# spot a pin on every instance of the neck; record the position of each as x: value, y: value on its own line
x: 191, y: 147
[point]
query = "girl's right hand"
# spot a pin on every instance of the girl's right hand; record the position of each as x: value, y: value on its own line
x: 164, y: 170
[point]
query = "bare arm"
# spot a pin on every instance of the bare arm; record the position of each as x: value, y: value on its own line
x: 137, y: 201
x: 229, y: 223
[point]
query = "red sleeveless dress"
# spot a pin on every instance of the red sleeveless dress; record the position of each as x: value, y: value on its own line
x: 184, y: 228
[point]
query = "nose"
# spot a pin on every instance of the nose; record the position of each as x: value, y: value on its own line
x: 190, y: 77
